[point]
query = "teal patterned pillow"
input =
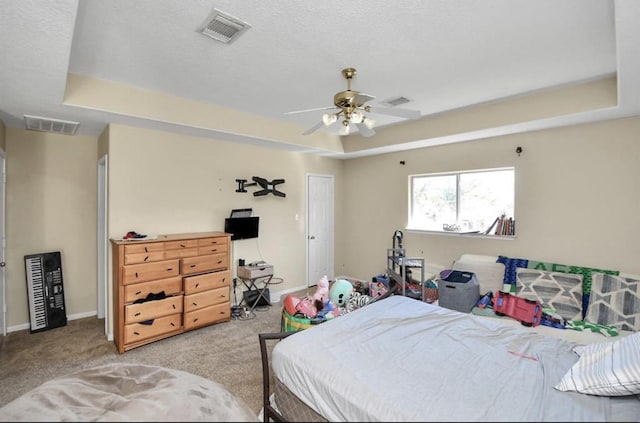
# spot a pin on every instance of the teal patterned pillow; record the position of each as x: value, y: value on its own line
x: 561, y: 292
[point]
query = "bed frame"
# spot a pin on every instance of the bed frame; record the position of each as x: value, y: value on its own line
x: 270, y: 413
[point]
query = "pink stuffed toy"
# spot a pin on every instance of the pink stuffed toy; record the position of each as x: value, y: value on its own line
x: 322, y: 292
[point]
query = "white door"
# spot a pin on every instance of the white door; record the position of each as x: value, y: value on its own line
x: 103, y: 241
x: 3, y: 246
x: 319, y: 227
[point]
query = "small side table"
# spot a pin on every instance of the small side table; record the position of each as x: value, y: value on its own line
x: 259, y: 284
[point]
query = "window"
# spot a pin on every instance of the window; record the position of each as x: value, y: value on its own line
x: 467, y: 201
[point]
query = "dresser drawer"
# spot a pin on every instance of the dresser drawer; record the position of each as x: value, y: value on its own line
x: 204, y: 316
x: 180, y: 249
x: 143, y: 248
x: 213, y: 249
x: 206, y: 298
x: 137, y: 291
x: 194, y: 284
x: 151, y: 309
x: 150, y: 271
x: 181, y: 245
x: 200, y: 264
x: 138, y: 331
x: 143, y: 253
x: 207, y: 242
x: 184, y: 252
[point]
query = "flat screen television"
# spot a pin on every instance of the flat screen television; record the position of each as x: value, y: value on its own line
x: 242, y: 227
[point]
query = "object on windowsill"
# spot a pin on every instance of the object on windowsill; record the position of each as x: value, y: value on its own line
x: 505, y: 226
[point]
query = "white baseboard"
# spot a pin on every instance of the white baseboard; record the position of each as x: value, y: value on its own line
x: 24, y: 326
x: 275, y: 296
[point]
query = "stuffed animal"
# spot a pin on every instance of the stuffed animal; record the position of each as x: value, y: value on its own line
x: 294, y: 305
x: 340, y: 292
x: 291, y: 303
x: 322, y: 293
x: 329, y: 311
x: 307, y: 307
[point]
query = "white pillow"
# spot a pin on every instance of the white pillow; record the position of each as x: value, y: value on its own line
x: 490, y: 275
x: 605, y: 368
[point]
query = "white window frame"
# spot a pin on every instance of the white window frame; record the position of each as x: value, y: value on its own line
x: 412, y: 227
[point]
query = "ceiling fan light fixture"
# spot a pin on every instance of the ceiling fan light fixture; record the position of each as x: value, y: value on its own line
x: 329, y: 118
x: 357, y: 116
x: 344, y: 130
x: 369, y: 122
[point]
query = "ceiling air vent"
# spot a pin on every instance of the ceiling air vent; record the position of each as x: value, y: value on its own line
x: 223, y: 27
x: 396, y: 101
x: 37, y: 123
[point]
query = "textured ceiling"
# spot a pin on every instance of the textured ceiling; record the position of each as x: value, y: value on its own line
x: 442, y: 54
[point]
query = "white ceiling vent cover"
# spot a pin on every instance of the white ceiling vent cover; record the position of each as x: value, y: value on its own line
x: 396, y: 101
x: 37, y: 123
x: 223, y: 27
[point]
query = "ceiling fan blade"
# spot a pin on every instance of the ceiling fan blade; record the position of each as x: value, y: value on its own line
x: 364, y: 130
x: 394, y: 111
x: 362, y: 98
x: 310, y: 110
x: 313, y: 128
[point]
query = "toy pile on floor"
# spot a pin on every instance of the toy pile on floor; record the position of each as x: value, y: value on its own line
x: 328, y: 302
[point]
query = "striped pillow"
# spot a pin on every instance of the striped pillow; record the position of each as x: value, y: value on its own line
x: 606, y: 368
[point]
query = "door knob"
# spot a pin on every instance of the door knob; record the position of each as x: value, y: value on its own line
x: 312, y: 237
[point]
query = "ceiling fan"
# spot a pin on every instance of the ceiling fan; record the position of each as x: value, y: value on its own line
x: 349, y: 108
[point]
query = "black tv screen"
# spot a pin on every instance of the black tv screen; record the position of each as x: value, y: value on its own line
x: 242, y: 227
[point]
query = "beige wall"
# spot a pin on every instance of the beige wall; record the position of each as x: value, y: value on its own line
x: 162, y: 183
x: 51, y: 206
x: 577, y: 200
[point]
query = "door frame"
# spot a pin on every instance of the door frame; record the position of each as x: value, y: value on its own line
x: 330, y: 235
x: 103, y: 247
x: 3, y: 243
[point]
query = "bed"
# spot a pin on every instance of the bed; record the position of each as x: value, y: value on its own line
x: 400, y: 359
x: 128, y: 392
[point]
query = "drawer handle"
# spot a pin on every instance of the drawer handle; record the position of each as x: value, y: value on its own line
x: 195, y: 320
x: 219, y: 261
x: 222, y: 312
x: 173, y: 324
x: 174, y: 306
x: 193, y: 265
x: 222, y: 295
x: 194, y: 303
x: 169, y: 269
x: 139, y: 292
x: 136, y: 333
x: 213, y: 250
x: 137, y: 314
x: 136, y: 274
x: 223, y: 280
x: 197, y: 284
x: 183, y: 246
x: 146, y: 258
x: 145, y: 250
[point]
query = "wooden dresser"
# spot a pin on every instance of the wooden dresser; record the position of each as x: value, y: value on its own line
x: 168, y: 285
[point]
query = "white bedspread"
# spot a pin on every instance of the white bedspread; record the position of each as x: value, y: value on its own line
x: 400, y: 359
x: 128, y: 392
